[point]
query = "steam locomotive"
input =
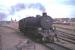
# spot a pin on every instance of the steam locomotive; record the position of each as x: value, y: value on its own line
x: 38, y: 28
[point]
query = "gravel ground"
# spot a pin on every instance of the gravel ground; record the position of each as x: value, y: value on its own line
x: 11, y: 41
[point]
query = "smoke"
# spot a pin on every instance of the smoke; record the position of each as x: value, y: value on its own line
x: 21, y: 6
x: 38, y: 6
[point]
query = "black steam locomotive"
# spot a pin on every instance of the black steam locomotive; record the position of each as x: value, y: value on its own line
x: 38, y: 28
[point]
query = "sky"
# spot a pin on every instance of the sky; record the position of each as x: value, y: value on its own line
x: 18, y: 9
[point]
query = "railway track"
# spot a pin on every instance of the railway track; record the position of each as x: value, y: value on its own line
x: 68, y: 37
x: 50, y: 46
x: 66, y: 31
x: 55, y: 46
x: 66, y: 27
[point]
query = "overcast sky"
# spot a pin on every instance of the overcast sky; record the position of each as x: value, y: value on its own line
x: 54, y: 8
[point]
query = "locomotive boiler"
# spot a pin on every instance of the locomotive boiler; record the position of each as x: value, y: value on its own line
x: 38, y: 28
